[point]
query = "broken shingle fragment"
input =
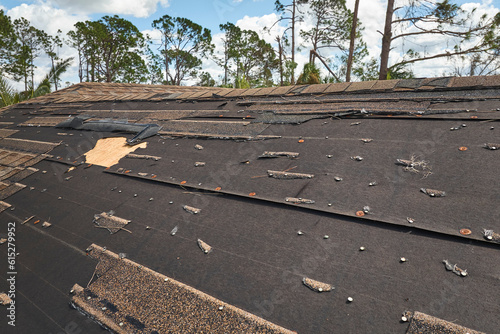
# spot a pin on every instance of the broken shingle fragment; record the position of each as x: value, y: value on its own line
x: 316, y: 285
x: 142, y: 156
x: 206, y: 248
x: 491, y: 236
x: 269, y: 154
x: 46, y: 224
x: 288, y: 175
x: 112, y: 223
x: 433, y: 192
x: 491, y: 146
x: 191, y: 209
x: 198, y: 147
x: 299, y: 200
x: 454, y: 268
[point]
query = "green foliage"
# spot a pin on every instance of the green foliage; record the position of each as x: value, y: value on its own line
x: 184, y: 44
x: 241, y: 82
x: 7, y: 40
x: 106, y: 48
x: 310, y: 75
x: 8, y: 95
x: 205, y: 80
x: 248, y: 56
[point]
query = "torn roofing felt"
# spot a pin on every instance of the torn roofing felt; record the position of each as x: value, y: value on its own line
x: 106, y: 125
x: 332, y: 199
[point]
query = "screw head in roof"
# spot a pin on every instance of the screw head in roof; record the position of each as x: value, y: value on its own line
x: 464, y: 125
x: 166, y: 279
x: 119, y: 191
x: 173, y: 161
x: 71, y: 291
x: 350, y: 299
x: 135, y: 195
x: 88, y: 298
x: 44, y: 172
x: 463, y: 273
x: 326, y: 137
x: 104, y: 308
x: 492, y: 128
x: 326, y: 237
x: 362, y: 248
x: 490, y: 237
x: 403, y: 259
x: 171, y: 202
x: 121, y: 324
x: 148, y: 228
x: 300, y: 233
x: 410, y: 220
x: 404, y: 319
x: 59, y: 198
x: 151, y: 199
x: 320, y: 289
x: 221, y: 308
x: 329, y: 204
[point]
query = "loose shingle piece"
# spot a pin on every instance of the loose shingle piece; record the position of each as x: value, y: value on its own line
x: 317, y: 285
x: 109, y: 221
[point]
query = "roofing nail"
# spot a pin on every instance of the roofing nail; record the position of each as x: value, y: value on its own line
x: 350, y: 299
x: 362, y: 248
x: 338, y: 178
x: 329, y: 156
x: 135, y: 195
x: 326, y: 137
x: 326, y: 237
x: 151, y: 199
x: 366, y: 209
x: 171, y: 202
x: 119, y: 191
x: 410, y: 220
x: 300, y: 233
x: 44, y: 172
x: 374, y: 183
x: 221, y: 308
x: 492, y: 128
x: 329, y: 204
x: 403, y: 259
x: 404, y: 319
x: 59, y: 198
x: 148, y: 228
x: 166, y: 279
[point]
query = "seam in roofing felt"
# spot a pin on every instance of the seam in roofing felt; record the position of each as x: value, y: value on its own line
x: 346, y: 214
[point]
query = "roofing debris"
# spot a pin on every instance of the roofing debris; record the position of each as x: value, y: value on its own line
x: 491, y: 235
x: 4, y: 206
x: 198, y: 147
x: 142, y: 156
x: 270, y: 154
x: 191, y: 209
x: 491, y: 146
x: 110, y: 222
x: 199, y: 164
x: 142, y: 131
x: 288, y: 175
x: 317, y: 285
x: 454, y: 268
x: 421, y: 323
x: 415, y: 165
x: 299, y: 200
x: 206, y: 248
x: 120, y: 299
x: 433, y: 192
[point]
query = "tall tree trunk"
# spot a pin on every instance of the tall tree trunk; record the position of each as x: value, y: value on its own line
x: 280, y: 52
x: 386, y: 41
x: 351, y: 45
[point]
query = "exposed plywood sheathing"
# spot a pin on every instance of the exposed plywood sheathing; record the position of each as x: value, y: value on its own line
x: 108, y: 151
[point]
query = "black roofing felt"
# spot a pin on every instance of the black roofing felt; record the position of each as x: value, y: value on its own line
x: 258, y: 258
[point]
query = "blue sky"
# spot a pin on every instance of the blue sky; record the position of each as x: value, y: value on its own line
x: 51, y: 15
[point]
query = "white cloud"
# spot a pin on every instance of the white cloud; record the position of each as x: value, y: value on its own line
x: 3, y: 8
x: 137, y: 8
x: 45, y: 17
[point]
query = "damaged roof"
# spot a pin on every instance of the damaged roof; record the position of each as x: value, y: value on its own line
x: 352, y: 207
